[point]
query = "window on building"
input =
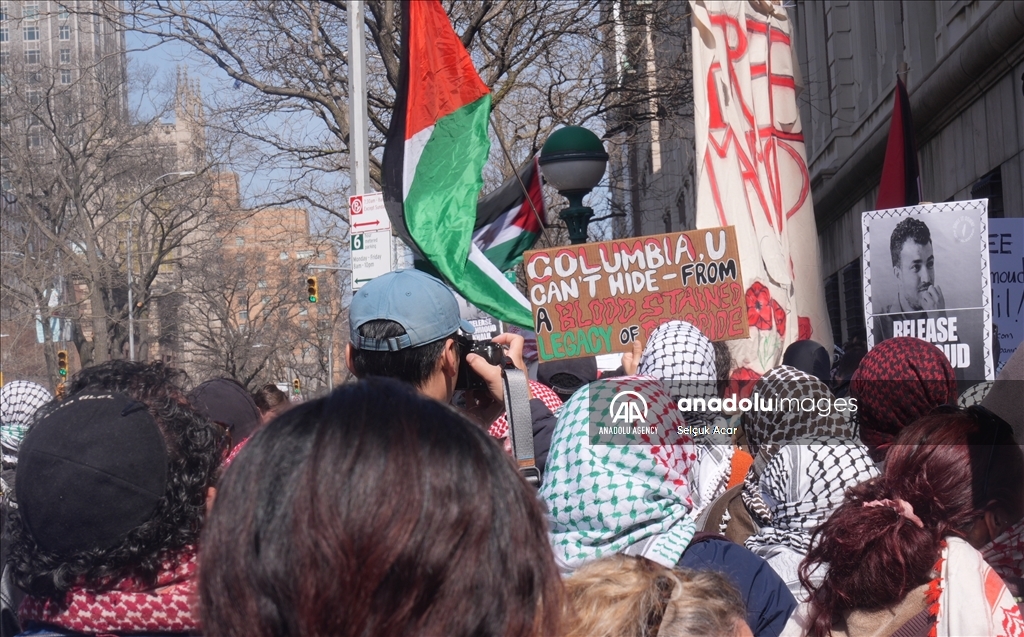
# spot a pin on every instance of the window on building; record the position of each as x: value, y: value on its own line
x: 304, y: 325
x: 32, y: 56
x: 35, y: 137
x: 35, y: 98
x: 34, y: 77
x: 3, y: 34
x: 30, y: 34
x: 65, y: 32
x: 304, y: 254
x: 30, y: 10
x: 262, y: 283
x: 283, y: 256
x: 3, y: 12
x: 65, y: 56
x: 243, y: 315
x: 303, y: 312
x: 5, y: 58
x: 239, y: 241
x: 991, y: 187
x: 65, y: 76
x: 62, y: 11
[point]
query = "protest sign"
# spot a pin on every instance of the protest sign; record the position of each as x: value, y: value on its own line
x: 926, y: 275
x: 597, y: 298
x: 1006, y: 258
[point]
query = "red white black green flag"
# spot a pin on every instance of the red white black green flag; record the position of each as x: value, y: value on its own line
x: 434, y: 155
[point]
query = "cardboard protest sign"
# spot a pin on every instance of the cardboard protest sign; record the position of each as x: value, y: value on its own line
x: 926, y: 275
x: 1006, y: 257
x: 597, y: 298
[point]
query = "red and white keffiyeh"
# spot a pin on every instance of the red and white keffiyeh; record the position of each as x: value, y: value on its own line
x: 168, y: 608
x: 969, y: 597
x: 499, y: 428
x: 1005, y: 554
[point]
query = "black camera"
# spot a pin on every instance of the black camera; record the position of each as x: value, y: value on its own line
x: 491, y: 352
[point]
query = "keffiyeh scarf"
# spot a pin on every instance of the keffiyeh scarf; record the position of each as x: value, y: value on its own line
x: 540, y: 391
x: 684, y: 359
x: 782, y: 426
x: 128, y: 608
x: 969, y: 598
x: 631, y: 497
x: 802, y: 485
x: 1005, y: 554
x: 19, y: 402
x: 975, y: 394
x: 899, y: 381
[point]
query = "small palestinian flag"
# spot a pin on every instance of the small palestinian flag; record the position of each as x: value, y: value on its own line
x: 900, y: 184
x: 507, y: 223
x: 434, y: 155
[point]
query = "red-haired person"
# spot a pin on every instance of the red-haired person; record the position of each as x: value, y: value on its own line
x: 902, y: 552
x: 376, y: 511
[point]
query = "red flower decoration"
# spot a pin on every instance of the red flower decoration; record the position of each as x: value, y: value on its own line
x: 804, y: 327
x: 780, y: 318
x: 759, y: 311
x: 741, y: 382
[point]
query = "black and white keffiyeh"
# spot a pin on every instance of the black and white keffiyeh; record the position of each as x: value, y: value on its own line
x: 803, y: 484
x: 683, y: 358
x: 785, y: 423
x: 796, y: 492
x: 19, y: 402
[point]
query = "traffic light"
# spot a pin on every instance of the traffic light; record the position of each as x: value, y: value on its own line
x: 296, y: 386
x: 62, y: 362
x: 311, y: 289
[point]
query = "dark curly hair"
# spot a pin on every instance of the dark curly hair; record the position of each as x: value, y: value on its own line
x: 909, y: 228
x: 195, y: 449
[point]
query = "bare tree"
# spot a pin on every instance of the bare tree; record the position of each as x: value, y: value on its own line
x: 548, y: 62
x: 83, y: 174
x: 243, y: 309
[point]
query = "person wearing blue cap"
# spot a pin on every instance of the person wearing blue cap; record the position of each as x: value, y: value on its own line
x: 404, y: 325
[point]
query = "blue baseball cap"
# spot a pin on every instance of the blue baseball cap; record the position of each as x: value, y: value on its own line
x: 420, y: 303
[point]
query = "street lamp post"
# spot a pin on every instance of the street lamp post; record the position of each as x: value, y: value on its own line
x: 573, y: 160
x: 128, y: 249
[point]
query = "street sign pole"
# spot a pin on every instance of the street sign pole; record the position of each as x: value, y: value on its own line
x: 358, y: 146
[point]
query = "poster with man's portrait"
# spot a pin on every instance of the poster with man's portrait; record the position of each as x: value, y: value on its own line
x: 926, y: 275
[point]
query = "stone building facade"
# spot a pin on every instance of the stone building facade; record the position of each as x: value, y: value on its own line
x: 963, y: 62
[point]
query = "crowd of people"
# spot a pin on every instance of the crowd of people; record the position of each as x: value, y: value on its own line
x: 135, y: 507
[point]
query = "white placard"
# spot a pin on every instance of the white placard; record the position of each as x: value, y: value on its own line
x: 927, y: 275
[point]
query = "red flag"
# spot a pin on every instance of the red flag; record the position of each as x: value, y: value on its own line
x: 901, y: 182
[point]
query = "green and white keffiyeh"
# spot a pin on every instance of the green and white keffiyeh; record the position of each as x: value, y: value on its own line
x: 631, y: 497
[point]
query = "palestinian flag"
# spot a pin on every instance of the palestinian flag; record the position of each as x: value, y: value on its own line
x: 434, y: 155
x: 507, y: 223
x: 900, y: 184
